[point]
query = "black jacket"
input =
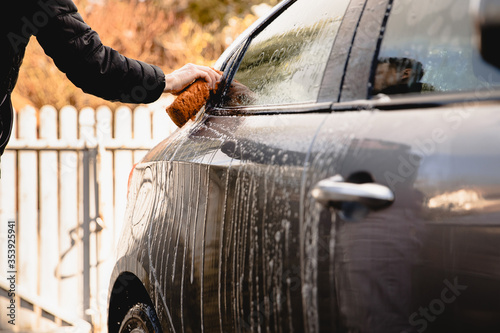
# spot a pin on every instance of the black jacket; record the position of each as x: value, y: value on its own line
x: 76, y: 50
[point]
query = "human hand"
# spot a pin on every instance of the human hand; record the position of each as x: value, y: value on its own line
x: 179, y: 79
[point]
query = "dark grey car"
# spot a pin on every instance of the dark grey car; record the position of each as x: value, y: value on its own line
x: 345, y: 178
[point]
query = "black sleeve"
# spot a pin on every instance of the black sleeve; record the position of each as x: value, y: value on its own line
x: 97, y: 69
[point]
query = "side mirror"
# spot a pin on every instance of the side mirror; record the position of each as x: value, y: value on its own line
x: 486, y: 14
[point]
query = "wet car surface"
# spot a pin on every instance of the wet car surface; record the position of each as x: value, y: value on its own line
x: 351, y: 186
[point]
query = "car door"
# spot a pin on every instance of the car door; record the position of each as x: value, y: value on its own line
x: 417, y: 249
x: 224, y: 246
x: 254, y: 263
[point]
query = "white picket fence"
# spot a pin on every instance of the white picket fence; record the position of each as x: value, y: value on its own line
x: 64, y: 182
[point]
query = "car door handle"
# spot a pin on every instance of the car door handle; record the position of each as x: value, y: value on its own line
x: 335, y: 190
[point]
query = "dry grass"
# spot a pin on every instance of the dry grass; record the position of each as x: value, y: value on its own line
x: 138, y: 31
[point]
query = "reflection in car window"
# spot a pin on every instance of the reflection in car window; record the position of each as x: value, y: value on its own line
x: 428, y: 47
x: 285, y: 62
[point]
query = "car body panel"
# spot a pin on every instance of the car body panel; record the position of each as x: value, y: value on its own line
x: 441, y: 229
x: 211, y: 225
x: 223, y: 231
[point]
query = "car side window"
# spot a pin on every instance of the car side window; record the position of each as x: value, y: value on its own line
x: 284, y: 63
x: 428, y: 47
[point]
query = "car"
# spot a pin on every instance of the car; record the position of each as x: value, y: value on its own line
x: 345, y: 177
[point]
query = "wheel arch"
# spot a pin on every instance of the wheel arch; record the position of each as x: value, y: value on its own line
x: 127, y: 291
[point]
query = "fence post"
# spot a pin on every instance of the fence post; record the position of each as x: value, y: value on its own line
x: 69, y: 263
x: 87, y: 133
x: 104, y: 239
x: 28, y: 249
x: 142, y: 130
x: 49, y: 218
x: 123, y: 165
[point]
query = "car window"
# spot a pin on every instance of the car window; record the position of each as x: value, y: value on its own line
x: 285, y: 62
x: 428, y: 47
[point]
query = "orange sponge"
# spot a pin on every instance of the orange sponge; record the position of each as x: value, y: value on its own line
x: 189, y: 102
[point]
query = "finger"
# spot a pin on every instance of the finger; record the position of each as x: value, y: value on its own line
x: 213, y: 76
x: 208, y: 77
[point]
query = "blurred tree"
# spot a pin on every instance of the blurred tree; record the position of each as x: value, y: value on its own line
x: 206, y: 12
